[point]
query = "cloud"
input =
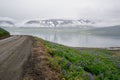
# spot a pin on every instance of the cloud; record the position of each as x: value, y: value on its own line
x: 7, y: 19
x: 70, y: 9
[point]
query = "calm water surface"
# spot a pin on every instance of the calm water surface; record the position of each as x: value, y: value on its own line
x: 69, y: 37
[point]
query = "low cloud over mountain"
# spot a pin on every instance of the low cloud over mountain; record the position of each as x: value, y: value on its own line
x: 5, y: 21
x: 58, y: 23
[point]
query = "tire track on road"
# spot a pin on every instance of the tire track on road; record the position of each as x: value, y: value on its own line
x: 13, y: 55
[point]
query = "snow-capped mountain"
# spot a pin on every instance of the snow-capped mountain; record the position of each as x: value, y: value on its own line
x: 6, y: 23
x: 58, y: 23
x: 9, y: 22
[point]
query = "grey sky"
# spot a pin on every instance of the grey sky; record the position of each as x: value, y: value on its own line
x: 69, y: 9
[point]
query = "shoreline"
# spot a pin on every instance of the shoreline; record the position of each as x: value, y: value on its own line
x: 107, y: 48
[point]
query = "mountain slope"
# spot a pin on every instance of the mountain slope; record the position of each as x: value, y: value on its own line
x: 6, y: 23
x: 112, y: 31
x: 3, y: 33
x: 58, y: 22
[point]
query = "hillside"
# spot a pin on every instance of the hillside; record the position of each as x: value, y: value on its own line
x: 110, y: 31
x: 3, y: 33
x: 75, y: 64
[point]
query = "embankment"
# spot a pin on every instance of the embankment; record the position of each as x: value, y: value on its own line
x: 4, y: 33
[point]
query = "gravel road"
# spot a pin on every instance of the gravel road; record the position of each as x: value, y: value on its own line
x: 14, y: 53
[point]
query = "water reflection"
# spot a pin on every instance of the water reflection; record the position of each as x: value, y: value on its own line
x: 70, y: 38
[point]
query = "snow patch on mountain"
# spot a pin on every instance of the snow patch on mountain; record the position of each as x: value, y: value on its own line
x: 58, y: 23
x: 5, y: 21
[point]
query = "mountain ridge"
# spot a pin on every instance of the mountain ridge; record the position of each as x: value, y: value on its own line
x: 6, y: 23
x: 59, y: 22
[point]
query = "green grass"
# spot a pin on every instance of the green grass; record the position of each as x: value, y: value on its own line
x: 3, y: 33
x: 83, y: 65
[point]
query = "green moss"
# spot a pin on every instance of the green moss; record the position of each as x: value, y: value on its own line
x: 83, y: 65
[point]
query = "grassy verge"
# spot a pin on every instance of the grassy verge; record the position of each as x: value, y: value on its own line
x: 83, y: 65
x: 3, y: 33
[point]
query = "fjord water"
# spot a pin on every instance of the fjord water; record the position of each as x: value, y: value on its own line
x: 69, y: 37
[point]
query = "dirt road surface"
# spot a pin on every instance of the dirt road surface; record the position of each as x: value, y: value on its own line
x: 14, y: 52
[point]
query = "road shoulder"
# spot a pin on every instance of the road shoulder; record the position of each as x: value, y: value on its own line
x: 38, y: 67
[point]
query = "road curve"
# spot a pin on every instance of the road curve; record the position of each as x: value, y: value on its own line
x: 14, y: 53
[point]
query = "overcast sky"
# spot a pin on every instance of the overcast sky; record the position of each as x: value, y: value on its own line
x: 68, y: 9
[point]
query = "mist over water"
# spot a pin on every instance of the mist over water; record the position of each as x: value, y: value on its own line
x: 68, y: 38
